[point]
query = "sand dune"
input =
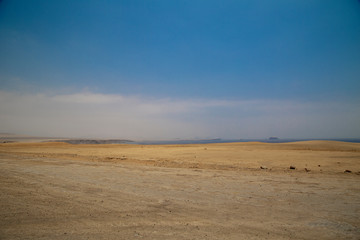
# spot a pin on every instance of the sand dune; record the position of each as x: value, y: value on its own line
x: 198, y: 191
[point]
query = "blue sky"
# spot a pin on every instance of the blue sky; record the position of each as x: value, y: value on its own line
x: 179, y: 54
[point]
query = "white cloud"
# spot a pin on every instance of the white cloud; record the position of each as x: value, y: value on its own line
x: 88, y: 114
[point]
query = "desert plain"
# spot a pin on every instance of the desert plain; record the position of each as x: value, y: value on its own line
x: 58, y: 190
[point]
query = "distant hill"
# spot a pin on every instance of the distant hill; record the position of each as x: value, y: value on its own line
x: 96, y: 141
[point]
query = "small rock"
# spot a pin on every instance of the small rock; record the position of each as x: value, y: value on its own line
x: 319, y: 166
x: 347, y: 171
x: 307, y: 170
x: 263, y: 167
x: 292, y: 167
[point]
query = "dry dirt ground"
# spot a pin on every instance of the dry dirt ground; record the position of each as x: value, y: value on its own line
x: 207, y: 191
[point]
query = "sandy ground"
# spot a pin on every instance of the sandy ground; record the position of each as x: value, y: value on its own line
x: 212, y: 191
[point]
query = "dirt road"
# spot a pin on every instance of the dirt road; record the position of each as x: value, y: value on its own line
x: 61, y: 197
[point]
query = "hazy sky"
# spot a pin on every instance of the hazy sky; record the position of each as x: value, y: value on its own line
x: 159, y: 69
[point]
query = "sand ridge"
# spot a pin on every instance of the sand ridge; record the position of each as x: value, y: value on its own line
x: 315, y: 156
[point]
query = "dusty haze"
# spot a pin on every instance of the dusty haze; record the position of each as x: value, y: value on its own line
x: 96, y: 115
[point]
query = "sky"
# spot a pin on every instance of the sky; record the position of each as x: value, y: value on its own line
x: 158, y: 69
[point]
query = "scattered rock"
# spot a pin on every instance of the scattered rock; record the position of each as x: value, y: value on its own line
x: 347, y: 171
x: 292, y: 167
x: 123, y: 158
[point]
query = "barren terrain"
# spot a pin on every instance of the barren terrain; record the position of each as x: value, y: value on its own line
x: 200, y: 191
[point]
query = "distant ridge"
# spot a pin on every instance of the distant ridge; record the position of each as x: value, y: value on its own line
x: 96, y: 141
x: 8, y: 137
x: 219, y: 140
